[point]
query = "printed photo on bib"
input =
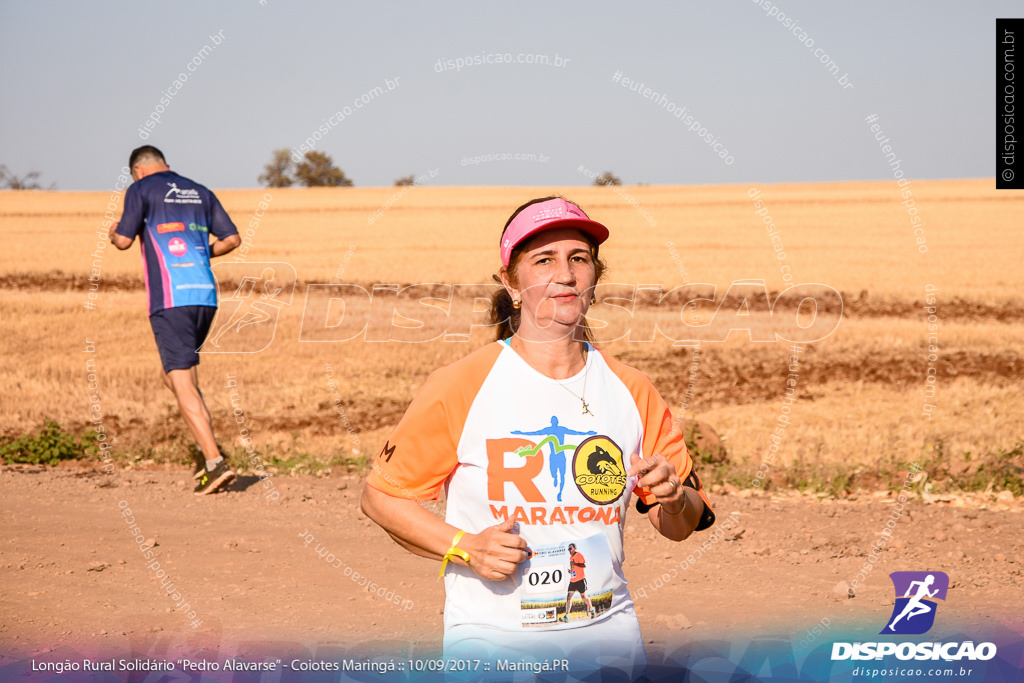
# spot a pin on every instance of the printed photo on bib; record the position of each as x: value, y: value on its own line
x: 567, y: 584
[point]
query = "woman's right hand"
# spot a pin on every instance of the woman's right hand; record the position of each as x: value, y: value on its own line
x: 495, y: 552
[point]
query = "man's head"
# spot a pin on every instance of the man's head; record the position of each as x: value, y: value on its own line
x: 146, y: 160
x: 572, y: 548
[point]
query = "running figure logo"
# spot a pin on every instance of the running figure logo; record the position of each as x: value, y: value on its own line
x: 916, y: 595
x: 556, y: 440
x: 247, y: 319
x: 188, y: 195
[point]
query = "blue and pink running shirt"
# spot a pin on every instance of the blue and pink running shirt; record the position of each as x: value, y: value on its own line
x: 173, y: 218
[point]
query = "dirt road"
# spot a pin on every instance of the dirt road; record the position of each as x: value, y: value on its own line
x: 288, y: 565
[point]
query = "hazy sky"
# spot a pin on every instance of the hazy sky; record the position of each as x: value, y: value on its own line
x: 79, y: 80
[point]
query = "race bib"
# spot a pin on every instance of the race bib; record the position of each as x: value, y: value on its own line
x: 575, y: 574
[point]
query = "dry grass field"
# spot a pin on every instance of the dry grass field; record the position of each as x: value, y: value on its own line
x: 864, y: 411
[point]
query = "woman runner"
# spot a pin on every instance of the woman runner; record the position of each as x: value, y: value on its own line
x: 487, y: 429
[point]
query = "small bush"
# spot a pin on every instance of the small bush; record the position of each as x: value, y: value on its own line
x: 1003, y: 470
x: 49, y: 445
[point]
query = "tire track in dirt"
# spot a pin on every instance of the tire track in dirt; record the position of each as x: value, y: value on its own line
x: 861, y: 305
x: 723, y: 377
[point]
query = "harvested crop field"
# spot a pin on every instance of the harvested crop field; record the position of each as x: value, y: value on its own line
x: 907, y: 365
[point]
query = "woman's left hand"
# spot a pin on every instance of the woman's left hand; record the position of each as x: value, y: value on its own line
x: 659, y: 477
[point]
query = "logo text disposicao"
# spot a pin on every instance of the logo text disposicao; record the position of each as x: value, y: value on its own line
x: 949, y: 652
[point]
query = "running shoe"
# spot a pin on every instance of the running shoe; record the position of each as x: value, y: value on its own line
x: 210, y: 482
x: 199, y: 460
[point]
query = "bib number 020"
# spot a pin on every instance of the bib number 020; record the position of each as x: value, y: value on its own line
x: 545, y: 577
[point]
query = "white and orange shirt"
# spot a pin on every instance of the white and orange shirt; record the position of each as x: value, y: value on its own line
x: 508, y: 442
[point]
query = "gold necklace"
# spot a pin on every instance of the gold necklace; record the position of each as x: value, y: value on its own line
x: 583, y: 400
x: 586, y: 373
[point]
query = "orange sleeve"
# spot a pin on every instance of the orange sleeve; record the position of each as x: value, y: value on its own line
x: 661, y: 435
x: 420, y: 454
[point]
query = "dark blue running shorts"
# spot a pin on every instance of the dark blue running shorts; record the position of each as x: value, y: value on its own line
x: 179, y: 333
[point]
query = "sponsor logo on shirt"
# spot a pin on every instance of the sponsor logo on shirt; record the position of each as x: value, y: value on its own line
x: 181, y: 196
x: 177, y: 246
x: 187, y: 264
x: 569, y: 514
x: 519, y: 466
x: 599, y: 471
x: 178, y: 192
x: 170, y: 227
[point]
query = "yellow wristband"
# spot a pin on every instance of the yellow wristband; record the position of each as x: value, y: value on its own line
x: 454, y: 552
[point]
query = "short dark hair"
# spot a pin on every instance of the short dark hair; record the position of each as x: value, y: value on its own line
x: 145, y: 152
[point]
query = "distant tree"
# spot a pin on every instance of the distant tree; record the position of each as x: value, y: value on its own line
x: 607, y: 178
x: 407, y: 180
x: 278, y: 172
x: 318, y: 170
x: 11, y: 181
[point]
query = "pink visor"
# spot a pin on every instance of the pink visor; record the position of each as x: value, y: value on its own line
x: 554, y: 213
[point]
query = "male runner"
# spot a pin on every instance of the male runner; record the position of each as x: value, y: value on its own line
x: 577, y: 582
x: 173, y: 218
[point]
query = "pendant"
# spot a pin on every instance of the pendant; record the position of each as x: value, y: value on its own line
x: 586, y: 408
